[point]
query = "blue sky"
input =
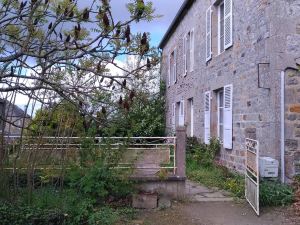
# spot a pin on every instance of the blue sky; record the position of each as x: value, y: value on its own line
x: 158, y: 27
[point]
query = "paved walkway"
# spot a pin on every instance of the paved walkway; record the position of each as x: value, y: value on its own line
x: 198, y: 193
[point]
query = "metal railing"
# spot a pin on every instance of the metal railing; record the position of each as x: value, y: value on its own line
x: 141, y: 153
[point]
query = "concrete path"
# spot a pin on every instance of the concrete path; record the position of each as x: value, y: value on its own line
x: 198, y: 193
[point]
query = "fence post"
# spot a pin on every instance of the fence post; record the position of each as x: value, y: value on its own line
x: 180, y: 152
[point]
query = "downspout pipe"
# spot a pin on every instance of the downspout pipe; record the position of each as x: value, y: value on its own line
x: 282, y: 138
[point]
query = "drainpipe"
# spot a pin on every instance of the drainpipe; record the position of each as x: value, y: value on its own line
x: 282, y: 142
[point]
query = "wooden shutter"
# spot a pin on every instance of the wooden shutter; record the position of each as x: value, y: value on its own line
x: 208, y: 34
x: 228, y: 28
x: 181, y: 113
x: 184, y: 55
x: 192, y: 42
x: 207, y: 117
x: 227, y: 136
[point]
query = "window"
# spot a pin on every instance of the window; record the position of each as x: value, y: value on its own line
x: 181, y: 113
x: 224, y: 98
x: 221, y: 28
x: 224, y: 25
x: 220, y: 98
x: 172, y: 68
x: 188, y: 52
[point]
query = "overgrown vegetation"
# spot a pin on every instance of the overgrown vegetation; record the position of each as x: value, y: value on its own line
x: 273, y: 193
x: 202, y: 168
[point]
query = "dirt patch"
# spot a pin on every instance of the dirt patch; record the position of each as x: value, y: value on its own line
x: 216, y: 213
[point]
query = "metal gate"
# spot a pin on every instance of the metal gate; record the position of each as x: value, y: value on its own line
x: 252, y: 174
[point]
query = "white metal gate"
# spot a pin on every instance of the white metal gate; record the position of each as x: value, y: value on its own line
x: 252, y: 174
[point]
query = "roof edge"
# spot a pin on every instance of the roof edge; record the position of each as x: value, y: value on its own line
x: 181, y: 13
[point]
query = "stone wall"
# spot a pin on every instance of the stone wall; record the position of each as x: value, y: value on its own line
x: 265, y: 43
x: 292, y: 122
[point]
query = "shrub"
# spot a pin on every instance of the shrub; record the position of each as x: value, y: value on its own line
x: 99, y: 181
x: 24, y: 215
x: 205, y: 154
x: 273, y: 193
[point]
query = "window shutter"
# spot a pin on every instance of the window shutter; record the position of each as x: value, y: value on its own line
x: 208, y: 34
x: 206, y: 117
x: 227, y: 117
x: 173, y: 115
x: 181, y: 113
x: 169, y: 72
x: 228, y: 28
x: 175, y: 66
x: 192, y: 42
x: 184, y: 55
x: 192, y: 118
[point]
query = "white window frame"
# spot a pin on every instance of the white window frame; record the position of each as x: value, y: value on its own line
x: 181, y: 113
x: 220, y: 107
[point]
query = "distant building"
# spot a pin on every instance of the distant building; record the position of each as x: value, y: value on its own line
x: 12, y: 119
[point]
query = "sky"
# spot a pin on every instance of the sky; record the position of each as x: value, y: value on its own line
x: 166, y: 9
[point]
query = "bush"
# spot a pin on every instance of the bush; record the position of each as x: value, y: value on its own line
x: 24, y: 215
x: 273, y: 193
x: 100, y: 182
x: 205, y: 154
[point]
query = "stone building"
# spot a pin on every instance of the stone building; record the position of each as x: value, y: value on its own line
x: 12, y: 119
x: 231, y: 69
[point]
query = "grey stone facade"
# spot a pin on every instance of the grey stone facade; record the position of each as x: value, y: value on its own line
x: 266, y: 41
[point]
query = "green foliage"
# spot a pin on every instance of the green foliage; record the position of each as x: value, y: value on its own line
x: 145, y: 117
x: 99, y: 182
x: 216, y: 176
x: 201, y: 167
x: 273, y: 193
x: 24, y: 215
x: 63, y: 116
x: 205, y: 154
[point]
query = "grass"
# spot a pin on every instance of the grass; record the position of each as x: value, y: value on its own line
x: 216, y: 176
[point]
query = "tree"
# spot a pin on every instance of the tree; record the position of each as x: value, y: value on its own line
x: 44, y: 42
x: 56, y: 50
